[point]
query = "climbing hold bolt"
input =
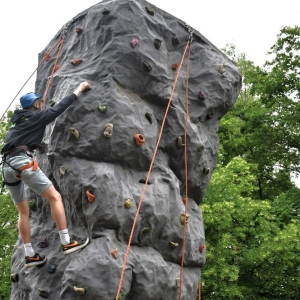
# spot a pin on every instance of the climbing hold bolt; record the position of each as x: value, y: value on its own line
x: 52, y: 103
x: 157, y: 43
x: 108, y: 130
x: 114, y: 253
x: 184, y: 219
x: 63, y: 170
x: 205, y: 170
x: 75, y: 132
x: 175, y: 66
x: 201, y: 95
x: 139, y: 139
x: 105, y: 11
x: 43, y: 293
x: 180, y: 143
x: 52, y: 269
x: 144, y: 231
x: 90, y: 196
x: 55, y: 68
x: 47, y: 56
x: 149, y: 10
x: 128, y: 203
x: 173, y: 245
x: 175, y: 40
x: 78, y: 290
x: 221, y: 69
x: 31, y: 204
x: 200, y: 148
x: 78, y: 30
x: 76, y: 62
x: 102, y: 108
x: 43, y: 243
x: 14, y: 277
x: 134, y: 42
x: 147, y: 66
x: 149, y: 117
x: 201, y: 248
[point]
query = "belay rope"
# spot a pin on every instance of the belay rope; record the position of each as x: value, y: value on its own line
x: 190, y: 39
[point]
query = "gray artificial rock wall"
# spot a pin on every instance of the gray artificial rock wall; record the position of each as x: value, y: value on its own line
x: 131, y: 85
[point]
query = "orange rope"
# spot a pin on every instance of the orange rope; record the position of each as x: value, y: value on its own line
x: 148, y: 176
x: 45, y: 57
x: 199, y: 290
x: 186, y: 170
x: 53, y: 69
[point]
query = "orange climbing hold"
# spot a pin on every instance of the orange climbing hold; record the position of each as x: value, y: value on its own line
x: 76, y: 62
x: 47, y: 56
x: 139, y: 139
x: 56, y: 67
x: 90, y: 196
x: 114, y: 253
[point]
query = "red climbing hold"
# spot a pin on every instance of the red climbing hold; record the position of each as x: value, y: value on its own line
x: 76, y: 62
x: 139, y: 139
x: 79, y: 31
x: 47, y: 56
x: 175, y: 66
x: 90, y: 196
x: 201, y: 248
x: 56, y: 67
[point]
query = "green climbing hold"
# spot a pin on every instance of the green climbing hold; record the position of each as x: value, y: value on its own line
x: 122, y: 295
x: 144, y: 231
x: 52, y: 103
x: 102, y: 108
x: 200, y: 148
x: 149, y: 10
x: 149, y: 117
x: 31, y: 204
x: 147, y: 66
x: 180, y: 142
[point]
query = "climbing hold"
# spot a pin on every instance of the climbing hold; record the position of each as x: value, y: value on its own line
x: 31, y: 204
x: 108, y: 130
x: 143, y: 180
x: 78, y: 290
x: 178, y: 282
x: 43, y: 293
x: 180, y: 143
x: 52, y: 103
x: 128, y: 203
x: 63, y: 170
x: 114, y: 253
x: 149, y: 10
x: 90, y: 196
x: 14, y: 277
x: 47, y: 56
x: 75, y: 132
x: 184, y: 200
x: 149, y: 117
x: 134, y: 42
x: 55, y: 68
x: 200, y: 148
x: 139, y: 139
x: 173, y: 245
x: 122, y: 295
x: 209, y: 116
x: 43, y: 243
x: 201, y: 248
x: 175, y: 40
x: 221, y: 69
x: 205, y: 170
x: 147, y: 66
x: 184, y: 219
x: 201, y: 95
x: 144, y: 231
x: 105, y: 11
x: 76, y: 62
x: 102, y: 108
x: 52, y: 269
x: 78, y: 30
x: 157, y: 43
x: 175, y: 66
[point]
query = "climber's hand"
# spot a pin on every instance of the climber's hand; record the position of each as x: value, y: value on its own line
x: 82, y: 87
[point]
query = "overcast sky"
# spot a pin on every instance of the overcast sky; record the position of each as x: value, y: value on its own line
x: 28, y: 26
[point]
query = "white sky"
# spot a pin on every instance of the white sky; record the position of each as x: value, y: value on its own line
x: 28, y: 26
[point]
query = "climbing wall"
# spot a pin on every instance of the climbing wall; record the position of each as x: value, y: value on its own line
x: 98, y: 154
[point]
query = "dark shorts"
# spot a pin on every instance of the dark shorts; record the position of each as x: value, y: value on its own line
x: 35, y: 180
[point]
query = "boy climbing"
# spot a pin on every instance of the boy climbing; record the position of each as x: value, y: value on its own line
x: 19, y: 169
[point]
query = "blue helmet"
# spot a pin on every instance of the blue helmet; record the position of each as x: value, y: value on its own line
x: 28, y: 99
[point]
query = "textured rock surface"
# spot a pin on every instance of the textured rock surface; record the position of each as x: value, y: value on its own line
x: 111, y: 167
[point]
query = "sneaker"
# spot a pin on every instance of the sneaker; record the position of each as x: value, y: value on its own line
x: 75, y: 245
x: 35, y: 260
